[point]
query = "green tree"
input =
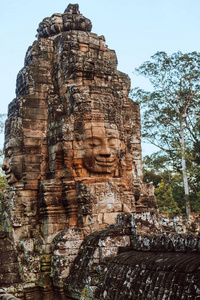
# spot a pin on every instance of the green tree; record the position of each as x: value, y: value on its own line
x: 156, y: 167
x: 165, y: 199
x: 172, y: 110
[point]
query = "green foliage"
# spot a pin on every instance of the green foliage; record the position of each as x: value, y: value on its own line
x: 3, y: 185
x: 157, y: 168
x: 165, y: 199
x: 151, y: 177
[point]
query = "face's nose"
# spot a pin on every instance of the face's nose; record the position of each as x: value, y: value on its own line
x: 5, y: 165
x: 105, y: 150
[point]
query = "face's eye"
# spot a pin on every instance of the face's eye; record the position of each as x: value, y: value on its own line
x: 94, y: 144
x: 113, y: 142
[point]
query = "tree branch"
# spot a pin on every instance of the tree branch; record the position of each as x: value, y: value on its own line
x: 168, y: 101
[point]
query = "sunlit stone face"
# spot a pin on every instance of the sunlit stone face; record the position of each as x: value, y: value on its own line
x: 101, y: 148
x: 12, y: 164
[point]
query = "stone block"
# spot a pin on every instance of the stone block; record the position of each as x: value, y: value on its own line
x: 109, y: 218
x: 109, y: 251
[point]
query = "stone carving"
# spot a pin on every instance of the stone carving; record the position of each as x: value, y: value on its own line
x: 101, y: 147
x: 70, y: 20
x: 72, y: 153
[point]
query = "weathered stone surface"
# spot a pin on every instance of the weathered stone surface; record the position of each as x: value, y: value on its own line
x: 70, y: 20
x: 141, y: 267
x: 9, y: 266
x: 73, y: 163
x: 142, y: 275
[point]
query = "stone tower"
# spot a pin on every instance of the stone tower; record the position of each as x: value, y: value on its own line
x: 72, y: 157
x: 72, y: 140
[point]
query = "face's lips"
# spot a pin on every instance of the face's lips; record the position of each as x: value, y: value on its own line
x: 106, y: 162
x: 8, y: 175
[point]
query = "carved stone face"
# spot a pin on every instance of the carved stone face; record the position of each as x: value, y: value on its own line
x: 12, y: 164
x: 101, y: 148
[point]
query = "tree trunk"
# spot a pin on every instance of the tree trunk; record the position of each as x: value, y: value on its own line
x: 184, y: 170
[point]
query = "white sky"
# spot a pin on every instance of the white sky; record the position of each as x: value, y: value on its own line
x: 135, y: 29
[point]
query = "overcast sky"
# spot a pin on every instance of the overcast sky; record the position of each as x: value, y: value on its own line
x: 135, y: 29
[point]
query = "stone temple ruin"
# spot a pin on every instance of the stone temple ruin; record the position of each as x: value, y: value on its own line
x: 78, y: 221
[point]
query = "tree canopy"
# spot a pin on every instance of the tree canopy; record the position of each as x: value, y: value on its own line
x: 171, y: 112
x: 157, y: 171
